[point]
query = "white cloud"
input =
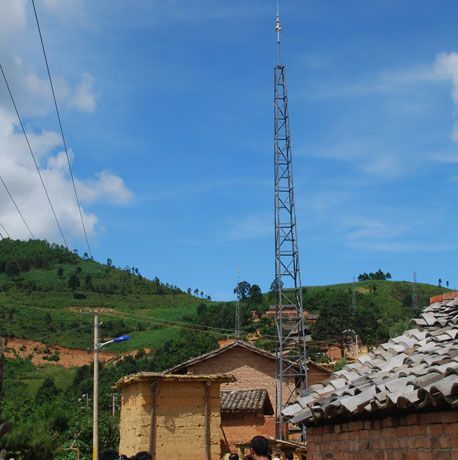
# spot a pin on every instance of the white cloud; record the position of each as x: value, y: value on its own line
x: 19, y: 172
x: 250, y: 227
x: 33, y: 93
x: 30, y: 86
x: 84, y: 98
x: 446, y: 66
x: 66, y: 10
x: 107, y: 187
x: 13, y: 18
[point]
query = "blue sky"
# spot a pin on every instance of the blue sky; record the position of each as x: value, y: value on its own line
x: 167, y: 108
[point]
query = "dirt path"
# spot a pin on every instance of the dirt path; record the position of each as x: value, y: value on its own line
x: 41, y: 353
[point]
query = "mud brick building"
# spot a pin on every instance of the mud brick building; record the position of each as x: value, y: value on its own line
x: 247, y: 404
x: 171, y: 416
x: 399, y: 402
x: 244, y: 414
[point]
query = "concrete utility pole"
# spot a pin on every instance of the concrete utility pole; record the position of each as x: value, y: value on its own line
x: 95, y: 401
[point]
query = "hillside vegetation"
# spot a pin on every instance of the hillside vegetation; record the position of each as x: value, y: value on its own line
x: 47, y: 292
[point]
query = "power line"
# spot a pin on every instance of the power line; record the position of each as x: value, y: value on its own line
x: 61, y: 129
x: 166, y: 322
x: 33, y: 157
x: 5, y: 230
x: 17, y: 209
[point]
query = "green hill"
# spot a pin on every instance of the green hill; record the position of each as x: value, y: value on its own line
x: 47, y: 293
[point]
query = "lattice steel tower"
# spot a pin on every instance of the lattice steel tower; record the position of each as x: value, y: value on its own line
x: 238, y: 317
x: 289, y: 320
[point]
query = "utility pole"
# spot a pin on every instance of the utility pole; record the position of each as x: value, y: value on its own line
x: 291, y: 355
x: 95, y: 401
x: 238, y: 320
x: 113, y: 404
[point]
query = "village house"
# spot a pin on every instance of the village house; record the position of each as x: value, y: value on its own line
x: 248, y: 403
x: 171, y: 416
x: 291, y: 311
x: 399, y: 402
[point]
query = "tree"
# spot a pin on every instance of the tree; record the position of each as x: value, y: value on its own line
x: 378, y: 275
x: 196, y: 292
x: 109, y: 262
x: 47, y: 391
x: 274, y: 286
x: 255, y: 294
x: 189, y: 291
x: 242, y: 289
x: 12, y: 270
x: 439, y: 282
x: 73, y: 282
x: 201, y: 309
x: 88, y: 281
x: 446, y: 283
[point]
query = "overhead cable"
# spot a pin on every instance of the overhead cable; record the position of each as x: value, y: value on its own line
x: 17, y: 209
x: 5, y: 230
x: 61, y: 129
x: 33, y: 157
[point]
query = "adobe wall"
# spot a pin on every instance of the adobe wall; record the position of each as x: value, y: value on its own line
x: 180, y: 419
x: 238, y: 429
x: 426, y: 436
x: 251, y: 370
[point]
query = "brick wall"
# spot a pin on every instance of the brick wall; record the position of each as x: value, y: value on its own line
x: 251, y: 370
x: 180, y: 419
x: 427, y: 436
x: 316, y: 374
x: 242, y: 428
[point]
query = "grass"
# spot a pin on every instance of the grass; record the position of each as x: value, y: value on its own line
x: 22, y: 373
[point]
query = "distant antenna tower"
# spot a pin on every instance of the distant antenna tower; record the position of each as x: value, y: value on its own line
x: 291, y: 347
x: 353, y: 295
x: 238, y: 320
x: 414, y: 290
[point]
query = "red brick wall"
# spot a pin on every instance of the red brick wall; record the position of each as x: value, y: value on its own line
x: 316, y: 375
x: 428, y: 436
x: 242, y: 428
x: 251, y: 370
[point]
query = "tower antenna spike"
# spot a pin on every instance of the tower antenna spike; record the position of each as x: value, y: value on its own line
x: 278, y: 30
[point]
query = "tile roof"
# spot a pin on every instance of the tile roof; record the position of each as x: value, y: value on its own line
x: 416, y: 370
x: 245, y: 401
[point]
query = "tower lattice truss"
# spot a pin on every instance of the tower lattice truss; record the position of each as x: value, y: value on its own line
x: 290, y: 327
